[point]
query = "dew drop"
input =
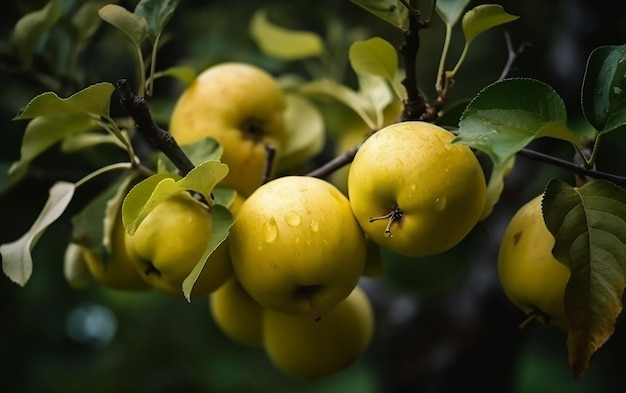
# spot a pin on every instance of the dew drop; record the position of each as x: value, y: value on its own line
x: 440, y: 203
x: 292, y: 218
x: 270, y: 230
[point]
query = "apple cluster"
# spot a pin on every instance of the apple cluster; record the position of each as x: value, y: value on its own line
x: 287, y: 277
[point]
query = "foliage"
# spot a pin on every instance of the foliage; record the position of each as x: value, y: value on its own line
x: 500, y: 122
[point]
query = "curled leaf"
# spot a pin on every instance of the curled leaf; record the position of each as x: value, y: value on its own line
x: 604, y: 88
x: 17, y: 261
x: 135, y: 27
x: 282, y: 43
x: 156, y: 13
x: 146, y: 195
x: 391, y: 11
x: 482, y: 18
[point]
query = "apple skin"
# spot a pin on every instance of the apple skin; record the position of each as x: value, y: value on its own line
x: 240, y: 105
x: 115, y: 269
x: 296, y: 246
x: 530, y: 276
x: 438, y: 187
x: 75, y: 269
x: 170, y: 241
x: 237, y: 314
x: 310, y: 350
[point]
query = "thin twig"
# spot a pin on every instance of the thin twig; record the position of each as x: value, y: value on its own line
x: 573, y: 167
x: 513, y: 54
x: 335, y: 164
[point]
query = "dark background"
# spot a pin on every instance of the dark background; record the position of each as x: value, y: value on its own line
x: 443, y: 323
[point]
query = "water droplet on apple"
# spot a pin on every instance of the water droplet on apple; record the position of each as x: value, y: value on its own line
x: 270, y: 230
x: 440, y: 203
x: 292, y: 218
x: 315, y: 226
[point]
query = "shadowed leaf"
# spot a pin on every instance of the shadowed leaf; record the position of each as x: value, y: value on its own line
x: 589, y: 227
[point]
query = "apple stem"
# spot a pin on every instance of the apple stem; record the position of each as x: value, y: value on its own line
x: 531, y: 317
x: 394, y: 214
x: 270, y: 153
x: 316, y: 312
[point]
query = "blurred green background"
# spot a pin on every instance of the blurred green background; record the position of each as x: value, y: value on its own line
x: 443, y: 324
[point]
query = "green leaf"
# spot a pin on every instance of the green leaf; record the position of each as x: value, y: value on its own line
x: 496, y: 185
x: 223, y: 196
x: 507, y: 115
x: 29, y: 29
x: 184, y: 74
x: 325, y: 88
x: 146, y: 195
x: 86, y: 21
x: 375, y: 56
x: 157, y: 13
x: 305, y: 136
x: 135, y: 206
x: 374, y: 89
x: 391, y: 11
x: 17, y: 261
x: 79, y: 141
x: 90, y: 227
x: 589, y: 227
x: 281, y: 43
x: 482, y: 18
x: 43, y: 132
x: 604, y: 88
x: 203, y: 150
x: 133, y: 26
x: 221, y: 221
x: 450, y: 10
x: 201, y: 179
x: 94, y: 100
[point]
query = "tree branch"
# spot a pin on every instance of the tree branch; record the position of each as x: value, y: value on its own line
x: 158, y: 137
x: 573, y: 167
x: 335, y: 164
x: 414, y: 103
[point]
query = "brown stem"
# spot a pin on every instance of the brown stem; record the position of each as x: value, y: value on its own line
x: 414, y: 103
x: 531, y: 317
x: 395, y: 213
x: 270, y: 153
x: 336, y: 163
x: 308, y: 293
x: 158, y: 137
x: 573, y: 167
